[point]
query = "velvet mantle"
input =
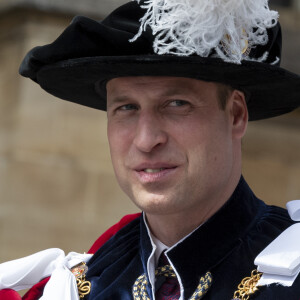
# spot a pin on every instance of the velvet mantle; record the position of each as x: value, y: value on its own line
x: 226, y: 245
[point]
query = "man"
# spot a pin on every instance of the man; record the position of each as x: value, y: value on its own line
x: 169, y: 138
x: 179, y: 81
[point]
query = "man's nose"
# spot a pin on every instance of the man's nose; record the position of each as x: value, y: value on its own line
x: 149, y: 132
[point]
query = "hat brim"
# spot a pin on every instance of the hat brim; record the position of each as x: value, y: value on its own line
x: 270, y: 90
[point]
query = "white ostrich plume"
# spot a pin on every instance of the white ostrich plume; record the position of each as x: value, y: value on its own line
x: 227, y: 28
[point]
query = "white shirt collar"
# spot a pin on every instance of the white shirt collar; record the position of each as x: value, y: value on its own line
x: 160, y: 248
x: 157, y: 248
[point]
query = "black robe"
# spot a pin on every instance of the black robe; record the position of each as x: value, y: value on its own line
x: 226, y: 245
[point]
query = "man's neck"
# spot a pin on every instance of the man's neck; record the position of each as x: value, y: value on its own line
x: 171, y: 228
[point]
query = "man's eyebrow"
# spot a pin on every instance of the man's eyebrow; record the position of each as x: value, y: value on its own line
x: 176, y: 91
x: 117, y: 99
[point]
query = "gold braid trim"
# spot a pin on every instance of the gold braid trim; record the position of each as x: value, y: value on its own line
x: 139, y: 290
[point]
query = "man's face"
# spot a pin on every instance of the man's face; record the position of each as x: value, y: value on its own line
x: 171, y: 145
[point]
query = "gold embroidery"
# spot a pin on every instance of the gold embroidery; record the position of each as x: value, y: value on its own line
x: 247, y: 287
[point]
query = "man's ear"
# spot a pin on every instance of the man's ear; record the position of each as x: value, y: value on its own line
x: 238, y: 113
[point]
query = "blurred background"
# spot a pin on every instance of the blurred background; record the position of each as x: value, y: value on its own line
x: 57, y: 187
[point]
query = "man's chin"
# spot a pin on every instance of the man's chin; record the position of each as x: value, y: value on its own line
x: 154, y: 203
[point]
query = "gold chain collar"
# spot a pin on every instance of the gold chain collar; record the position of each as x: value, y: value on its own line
x: 248, y: 286
x: 84, y: 286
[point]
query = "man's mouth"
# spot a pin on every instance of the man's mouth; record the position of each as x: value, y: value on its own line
x: 148, y: 170
x: 151, y: 174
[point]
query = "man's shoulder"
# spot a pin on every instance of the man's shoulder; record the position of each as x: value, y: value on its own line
x: 273, y: 219
x: 115, y: 250
x: 112, y: 231
x: 266, y: 226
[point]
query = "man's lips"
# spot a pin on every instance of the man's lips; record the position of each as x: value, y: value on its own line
x: 154, y: 172
x: 154, y: 167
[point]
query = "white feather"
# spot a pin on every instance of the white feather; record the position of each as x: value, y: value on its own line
x: 186, y: 27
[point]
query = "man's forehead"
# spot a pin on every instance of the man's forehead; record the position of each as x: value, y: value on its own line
x: 168, y: 84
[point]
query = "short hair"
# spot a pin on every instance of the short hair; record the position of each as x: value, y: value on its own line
x: 223, y: 93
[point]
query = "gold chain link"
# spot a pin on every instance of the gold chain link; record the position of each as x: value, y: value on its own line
x: 248, y: 286
x: 83, y: 286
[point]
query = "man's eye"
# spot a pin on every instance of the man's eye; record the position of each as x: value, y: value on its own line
x: 127, y: 107
x: 178, y: 103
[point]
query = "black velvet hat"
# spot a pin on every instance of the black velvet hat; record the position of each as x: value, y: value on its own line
x: 78, y: 64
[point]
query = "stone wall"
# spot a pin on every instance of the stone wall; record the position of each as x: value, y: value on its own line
x: 56, y: 180
x: 96, y: 8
